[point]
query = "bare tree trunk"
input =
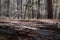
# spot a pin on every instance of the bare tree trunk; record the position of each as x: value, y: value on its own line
x: 4, y: 8
x: 13, y: 9
x: 0, y: 7
x: 38, y: 15
x: 30, y: 9
x: 49, y: 9
x: 35, y: 9
x: 19, y: 8
x: 27, y: 9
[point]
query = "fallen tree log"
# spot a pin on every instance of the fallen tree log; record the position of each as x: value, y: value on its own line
x: 29, y: 29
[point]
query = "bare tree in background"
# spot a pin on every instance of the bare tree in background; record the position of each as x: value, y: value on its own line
x: 13, y: 9
x: 0, y: 7
x: 49, y: 9
x: 19, y: 8
x: 38, y: 14
x: 4, y: 8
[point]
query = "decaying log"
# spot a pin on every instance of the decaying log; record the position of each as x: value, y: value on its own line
x: 31, y: 28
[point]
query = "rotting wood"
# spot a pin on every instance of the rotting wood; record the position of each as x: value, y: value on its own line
x: 30, y: 28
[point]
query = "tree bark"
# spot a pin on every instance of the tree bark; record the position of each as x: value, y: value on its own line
x: 49, y: 9
x: 0, y: 7
x: 38, y: 15
x: 13, y: 8
x: 4, y: 8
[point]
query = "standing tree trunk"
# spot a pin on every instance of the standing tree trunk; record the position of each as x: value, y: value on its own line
x: 13, y: 9
x: 30, y: 9
x: 19, y: 9
x: 38, y: 15
x: 4, y: 8
x: 49, y: 9
x: 0, y: 7
x: 27, y: 9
